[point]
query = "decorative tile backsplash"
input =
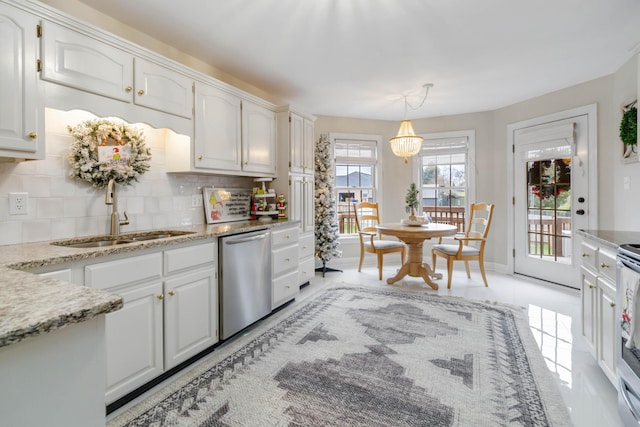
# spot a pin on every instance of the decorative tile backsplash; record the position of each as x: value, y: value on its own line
x: 61, y: 207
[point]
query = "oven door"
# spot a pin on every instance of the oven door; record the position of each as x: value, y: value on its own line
x: 627, y: 279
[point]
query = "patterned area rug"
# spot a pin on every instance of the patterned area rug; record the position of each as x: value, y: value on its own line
x: 364, y: 357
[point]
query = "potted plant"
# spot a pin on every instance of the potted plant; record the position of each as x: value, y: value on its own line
x: 411, y: 201
x: 629, y: 130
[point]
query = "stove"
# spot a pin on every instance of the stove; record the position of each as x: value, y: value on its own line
x: 628, y: 315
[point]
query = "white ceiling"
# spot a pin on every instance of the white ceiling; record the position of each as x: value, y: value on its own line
x: 357, y: 58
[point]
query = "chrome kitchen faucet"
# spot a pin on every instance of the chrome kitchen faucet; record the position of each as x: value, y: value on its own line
x: 112, y: 199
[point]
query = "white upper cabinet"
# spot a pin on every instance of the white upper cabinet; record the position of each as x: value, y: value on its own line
x: 218, y: 129
x: 300, y: 133
x: 296, y: 153
x: 258, y: 139
x: 76, y: 60
x: 21, y: 111
x: 232, y: 136
x: 159, y: 88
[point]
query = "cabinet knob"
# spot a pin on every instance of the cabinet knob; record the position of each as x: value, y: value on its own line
x: 172, y: 293
x: 141, y: 92
x: 603, y: 265
x: 161, y: 296
x: 33, y: 135
x: 287, y: 286
x: 613, y: 304
x: 128, y: 89
x: 591, y: 286
x: 200, y: 158
x: 585, y: 255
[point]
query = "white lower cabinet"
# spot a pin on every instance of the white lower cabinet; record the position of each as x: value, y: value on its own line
x: 606, y: 353
x: 285, y: 283
x: 190, y: 315
x: 598, y: 300
x: 307, y: 259
x: 589, y: 298
x: 170, y: 312
x: 134, y: 340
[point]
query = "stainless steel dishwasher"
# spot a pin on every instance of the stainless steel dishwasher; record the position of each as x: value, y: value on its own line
x: 245, y: 284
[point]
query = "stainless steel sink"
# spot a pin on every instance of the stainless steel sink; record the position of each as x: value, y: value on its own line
x: 121, y: 239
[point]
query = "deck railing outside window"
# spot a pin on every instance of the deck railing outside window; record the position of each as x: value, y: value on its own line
x: 453, y: 215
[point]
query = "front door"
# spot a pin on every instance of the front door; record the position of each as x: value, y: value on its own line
x: 551, y: 191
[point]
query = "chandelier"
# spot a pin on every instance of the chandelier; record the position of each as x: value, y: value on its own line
x: 406, y: 143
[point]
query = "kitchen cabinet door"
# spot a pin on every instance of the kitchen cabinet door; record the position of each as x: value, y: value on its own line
x: 296, y: 147
x: 588, y: 295
x: 162, y: 89
x: 606, y: 350
x: 191, y: 315
x: 308, y: 143
x: 76, y: 60
x: 134, y: 340
x: 308, y: 204
x: 21, y: 111
x: 217, y: 142
x: 258, y: 139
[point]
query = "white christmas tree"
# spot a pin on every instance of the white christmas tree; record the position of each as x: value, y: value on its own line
x: 326, y: 226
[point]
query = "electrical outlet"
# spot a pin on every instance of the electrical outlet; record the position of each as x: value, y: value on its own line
x: 196, y: 200
x: 18, y: 203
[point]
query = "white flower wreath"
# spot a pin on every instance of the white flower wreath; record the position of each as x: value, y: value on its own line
x: 83, y: 156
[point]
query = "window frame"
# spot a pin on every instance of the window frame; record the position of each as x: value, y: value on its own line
x: 377, y: 165
x: 471, y: 169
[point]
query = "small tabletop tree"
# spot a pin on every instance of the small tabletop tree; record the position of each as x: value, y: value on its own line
x: 411, y: 201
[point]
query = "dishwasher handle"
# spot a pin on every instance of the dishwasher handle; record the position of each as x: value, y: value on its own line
x: 246, y: 239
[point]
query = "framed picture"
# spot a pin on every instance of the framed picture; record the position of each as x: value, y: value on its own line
x: 226, y: 204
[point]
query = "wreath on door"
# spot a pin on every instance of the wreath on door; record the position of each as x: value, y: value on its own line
x: 103, y: 150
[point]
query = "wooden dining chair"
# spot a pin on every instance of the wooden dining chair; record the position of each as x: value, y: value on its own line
x: 470, y: 245
x: 367, y: 217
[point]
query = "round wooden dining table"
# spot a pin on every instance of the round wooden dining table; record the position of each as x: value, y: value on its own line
x: 414, y: 237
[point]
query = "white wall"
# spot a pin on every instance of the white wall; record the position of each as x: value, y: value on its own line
x: 61, y: 207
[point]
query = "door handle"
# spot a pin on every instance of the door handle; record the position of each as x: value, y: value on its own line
x: 580, y: 212
x: 246, y: 239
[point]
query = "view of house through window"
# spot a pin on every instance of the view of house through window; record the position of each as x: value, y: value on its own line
x: 356, y: 158
x: 446, y: 178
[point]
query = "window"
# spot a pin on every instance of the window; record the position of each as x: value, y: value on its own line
x: 447, y: 176
x: 356, y: 161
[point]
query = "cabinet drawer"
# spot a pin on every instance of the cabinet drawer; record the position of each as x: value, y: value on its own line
x: 307, y: 246
x: 588, y: 253
x: 307, y: 270
x: 284, y: 259
x: 285, y: 236
x: 607, y: 264
x: 183, y: 258
x: 285, y: 288
x: 121, y: 272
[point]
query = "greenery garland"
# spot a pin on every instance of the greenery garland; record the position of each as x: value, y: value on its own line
x: 629, y: 126
x: 83, y: 156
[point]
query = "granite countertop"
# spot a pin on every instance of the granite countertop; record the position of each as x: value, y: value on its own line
x: 31, y: 305
x: 610, y: 238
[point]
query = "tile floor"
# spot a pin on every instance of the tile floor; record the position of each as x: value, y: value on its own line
x: 554, y: 314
